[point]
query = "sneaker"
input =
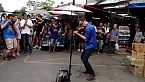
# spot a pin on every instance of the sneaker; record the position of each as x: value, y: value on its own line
x: 35, y: 47
x: 40, y: 48
x: 78, y: 50
x: 90, y: 78
x: 18, y: 54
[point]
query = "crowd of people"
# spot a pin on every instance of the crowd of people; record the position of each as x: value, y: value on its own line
x: 23, y: 35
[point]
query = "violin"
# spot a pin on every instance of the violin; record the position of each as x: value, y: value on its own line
x: 80, y: 29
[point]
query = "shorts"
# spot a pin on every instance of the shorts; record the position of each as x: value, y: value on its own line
x: 53, y: 41
x: 100, y: 44
x: 38, y: 35
x: 11, y: 43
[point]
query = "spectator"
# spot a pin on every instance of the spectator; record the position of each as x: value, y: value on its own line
x: 66, y: 36
x: 114, y: 36
x: 39, y: 29
x: 54, y: 34
x: 2, y: 43
x: 18, y: 36
x: 100, y: 37
x: 138, y: 36
x: 9, y: 32
x: 26, y: 25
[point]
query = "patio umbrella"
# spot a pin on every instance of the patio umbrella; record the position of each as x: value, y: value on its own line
x: 38, y: 12
x: 71, y: 8
x: 62, y: 12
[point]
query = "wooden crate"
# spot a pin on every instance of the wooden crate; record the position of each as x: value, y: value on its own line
x: 144, y: 72
x: 137, y: 55
x: 137, y: 62
x: 144, y: 48
x: 136, y: 70
x: 138, y: 47
x: 133, y: 46
x: 144, y: 67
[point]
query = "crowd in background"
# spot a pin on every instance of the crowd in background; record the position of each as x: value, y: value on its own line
x: 25, y: 35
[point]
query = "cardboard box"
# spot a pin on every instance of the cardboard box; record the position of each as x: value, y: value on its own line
x: 136, y: 70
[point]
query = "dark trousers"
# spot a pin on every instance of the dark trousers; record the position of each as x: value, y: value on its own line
x: 112, y: 47
x: 85, y: 57
x: 26, y: 43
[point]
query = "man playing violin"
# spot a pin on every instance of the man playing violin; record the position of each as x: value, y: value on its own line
x: 89, y: 36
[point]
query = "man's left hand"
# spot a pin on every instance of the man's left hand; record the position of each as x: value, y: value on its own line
x: 75, y: 32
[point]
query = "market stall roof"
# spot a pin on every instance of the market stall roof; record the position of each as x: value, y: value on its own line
x: 136, y: 5
x: 62, y: 12
x: 71, y: 8
x: 111, y: 2
x: 118, y: 6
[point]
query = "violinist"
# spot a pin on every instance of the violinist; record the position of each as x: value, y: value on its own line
x: 89, y: 37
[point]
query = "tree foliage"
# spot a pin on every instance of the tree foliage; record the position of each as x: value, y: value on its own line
x: 46, y: 5
x: 19, y: 12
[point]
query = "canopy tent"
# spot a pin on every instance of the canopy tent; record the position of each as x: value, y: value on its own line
x: 62, y: 12
x: 38, y: 12
x: 72, y: 8
x: 137, y: 5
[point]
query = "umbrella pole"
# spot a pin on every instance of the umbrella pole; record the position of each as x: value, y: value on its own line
x: 70, y: 62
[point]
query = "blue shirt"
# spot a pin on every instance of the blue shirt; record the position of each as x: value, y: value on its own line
x: 90, y: 35
x: 114, y: 34
x: 8, y: 32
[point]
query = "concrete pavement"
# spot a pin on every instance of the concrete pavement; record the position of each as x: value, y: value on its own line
x: 43, y: 67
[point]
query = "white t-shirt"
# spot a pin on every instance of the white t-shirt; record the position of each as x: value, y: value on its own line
x: 26, y: 29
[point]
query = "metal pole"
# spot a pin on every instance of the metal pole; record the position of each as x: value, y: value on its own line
x: 73, y: 2
x: 71, y: 42
x: 86, y: 2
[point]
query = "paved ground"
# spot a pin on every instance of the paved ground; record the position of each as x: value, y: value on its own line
x: 43, y: 67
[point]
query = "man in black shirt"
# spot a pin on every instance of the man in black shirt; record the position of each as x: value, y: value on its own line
x: 38, y: 30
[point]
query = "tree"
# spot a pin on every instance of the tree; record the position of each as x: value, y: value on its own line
x: 33, y: 4
x: 23, y: 9
x: 46, y: 5
x: 19, y: 12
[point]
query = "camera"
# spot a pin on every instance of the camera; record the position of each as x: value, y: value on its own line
x: 12, y: 21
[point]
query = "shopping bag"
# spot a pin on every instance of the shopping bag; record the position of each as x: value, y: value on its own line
x: 116, y: 46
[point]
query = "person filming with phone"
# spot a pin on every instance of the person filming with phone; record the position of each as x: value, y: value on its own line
x: 9, y: 32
